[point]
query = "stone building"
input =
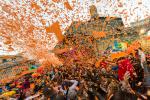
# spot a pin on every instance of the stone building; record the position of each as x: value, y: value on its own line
x: 84, y: 45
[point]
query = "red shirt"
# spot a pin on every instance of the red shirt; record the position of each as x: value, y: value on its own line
x: 103, y: 64
x: 124, y: 66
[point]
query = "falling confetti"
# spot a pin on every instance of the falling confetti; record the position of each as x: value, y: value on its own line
x: 23, y: 24
x: 67, y: 5
x: 55, y: 28
x: 99, y: 34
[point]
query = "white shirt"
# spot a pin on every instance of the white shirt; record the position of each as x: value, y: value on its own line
x: 31, y: 97
x: 75, y: 83
x: 142, y: 55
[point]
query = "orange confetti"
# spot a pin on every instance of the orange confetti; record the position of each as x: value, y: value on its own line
x: 60, y: 51
x: 98, y: 34
x: 148, y: 38
x: 118, y: 55
x: 30, y: 30
x: 134, y: 46
x: 56, y: 1
x: 67, y: 5
x: 97, y: 64
x: 35, y: 6
x: 78, y: 24
x: 55, y: 28
x: 32, y: 86
x: 43, y: 21
x: 8, y: 42
x: 6, y: 8
x: 10, y: 48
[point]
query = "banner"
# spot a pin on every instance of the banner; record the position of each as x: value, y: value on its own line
x: 119, y: 46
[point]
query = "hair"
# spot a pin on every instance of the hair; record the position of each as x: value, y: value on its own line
x: 140, y: 48
x: 60, y: 96
x: 121, y: 95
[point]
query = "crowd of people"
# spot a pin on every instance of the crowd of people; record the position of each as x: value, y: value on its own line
x: 120, y: 79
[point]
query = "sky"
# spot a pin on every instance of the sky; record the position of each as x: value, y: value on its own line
x: 128, y: 10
